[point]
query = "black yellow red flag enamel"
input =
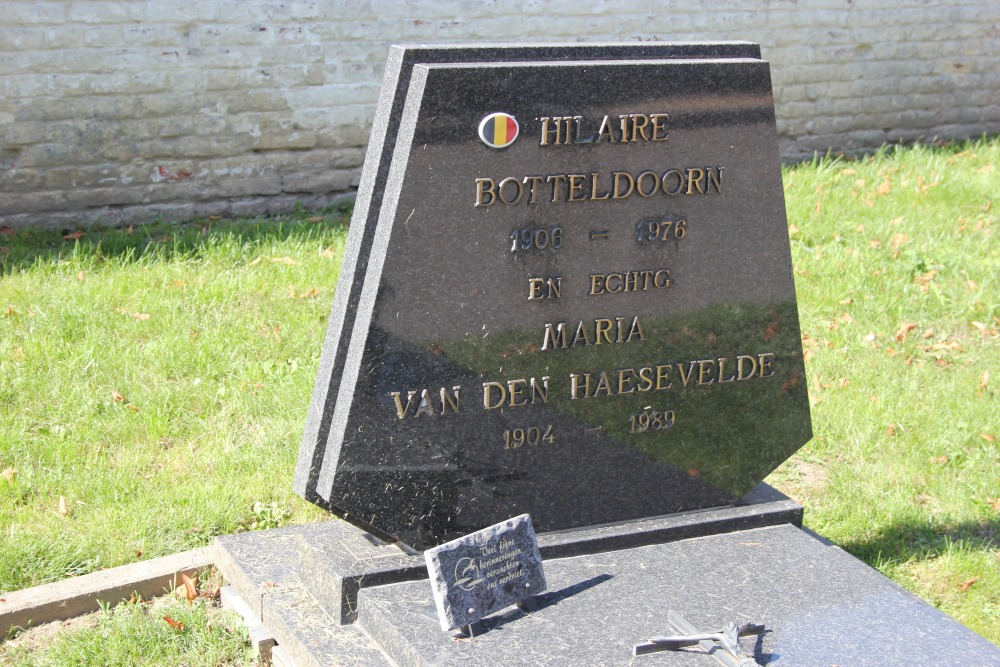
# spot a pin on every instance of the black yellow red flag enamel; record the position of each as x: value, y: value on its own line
x: 498, y: 130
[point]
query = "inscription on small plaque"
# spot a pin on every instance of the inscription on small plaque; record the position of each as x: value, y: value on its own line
x: 483, y: 572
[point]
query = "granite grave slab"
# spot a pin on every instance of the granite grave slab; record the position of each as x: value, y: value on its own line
x: 595, y: 306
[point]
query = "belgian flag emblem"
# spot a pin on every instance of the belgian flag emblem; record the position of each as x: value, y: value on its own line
x: 498, y: 130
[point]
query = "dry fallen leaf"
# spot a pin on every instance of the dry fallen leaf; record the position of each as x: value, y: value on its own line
x: 984, y: 381
x: 75, y: 235
x: 133, y: 408
x: 892, y: 429
x: 985, y: 436
x: 939, y: 459
x: 190, y: 589
x: 898, y: 240
x: 328, y: 253
x: 142, y: 317
x: 846, y: 302
x: 994, y: 503
x: 117, y: 398
x: 885, y: 187
x: 904, y: 329
x: 968, y: 584
x: 176, y: 625
x: 256, y: 261
x: 9, y: 474
x: 284, y: 260
x: 63, y: 508
x: 315, y: 218
x: 793, y: 230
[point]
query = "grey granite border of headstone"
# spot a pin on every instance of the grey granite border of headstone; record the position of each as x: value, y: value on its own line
x: 342, y: 559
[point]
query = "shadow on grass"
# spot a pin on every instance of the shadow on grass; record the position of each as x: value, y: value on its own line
x: 23, y: 248
x: 918, y: 540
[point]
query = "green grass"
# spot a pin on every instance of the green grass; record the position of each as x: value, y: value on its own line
x: 904, y: 470
x: 158, y: 381
x: 160, y: 632
x: 162, y: 432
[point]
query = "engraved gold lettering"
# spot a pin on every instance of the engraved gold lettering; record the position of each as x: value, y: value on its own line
x: 400, y: 409
x: 540, y: 391
x: 556, y: 180
x: 576, y: 182
x: 533, y: 188
x: 554, y: 336
x: 662, y: 278
x: 740, y: 374
x: 618, y: 194
x: 518, y: 190
x: 623, y: 383
x: 484, y: 187
x: 514, y: 389
x: 597, y: 282
x: 694, y: 180
x: 765, y: 364
x: 603, y: 385
x: 574, y: 385
x: 686, y: 376
x: 646, y: 376
x: 544, y: 288
x: 659, y: 121
x: 639, y: 128
x: 604, y: 331
x: 651, y: 190
x: 546, y: 131
x: 722, y: 372
x: 488, y: 391
x: 661, y: 374
x: 580, y: 338
x: 593, y: 188
x: 618, y: 278
x: 425, y: 407
x: 602, y: 328
x: 671, y: 174
x: 605, y: 131
x: 705, y: 369
x: 635, y: 330
x: 714, y: 178
x: 450, y: 400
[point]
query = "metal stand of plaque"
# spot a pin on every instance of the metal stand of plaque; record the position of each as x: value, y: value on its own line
x: 567, y: 293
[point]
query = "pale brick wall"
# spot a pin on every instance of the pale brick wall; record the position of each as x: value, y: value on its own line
x: 122, y: 110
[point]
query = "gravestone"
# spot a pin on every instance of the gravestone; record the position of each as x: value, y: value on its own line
x: 591, y: 305
x: 568, y: 292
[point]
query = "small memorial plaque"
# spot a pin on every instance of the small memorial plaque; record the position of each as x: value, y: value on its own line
x: 485, y: 571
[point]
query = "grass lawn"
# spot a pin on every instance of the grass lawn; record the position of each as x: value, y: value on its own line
x: 154, y: 381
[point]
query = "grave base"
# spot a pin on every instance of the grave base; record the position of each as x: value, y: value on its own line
x: 334, y: 595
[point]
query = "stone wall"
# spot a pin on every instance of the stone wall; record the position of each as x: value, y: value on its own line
x: 120, y: 111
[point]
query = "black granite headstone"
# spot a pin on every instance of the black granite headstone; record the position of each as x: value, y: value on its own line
x: 577, y: 302
x: 485, y: 571
x: 371, y: 190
